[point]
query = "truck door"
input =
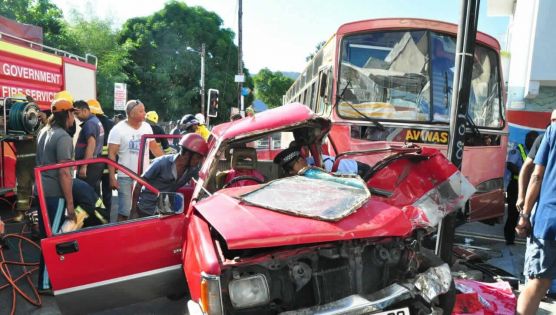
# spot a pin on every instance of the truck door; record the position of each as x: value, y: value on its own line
x: 114, y: 264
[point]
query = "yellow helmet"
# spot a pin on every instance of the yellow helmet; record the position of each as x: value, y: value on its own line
x: 65, y: 95
x: 152, y: 116
x: 95, y: 107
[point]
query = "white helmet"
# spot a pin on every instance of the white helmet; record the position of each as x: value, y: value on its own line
x: 200, y: 118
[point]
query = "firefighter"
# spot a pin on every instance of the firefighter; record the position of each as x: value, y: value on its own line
x: 170, y: 172
x: 107, y: 124
x: 202, y: 128
x: 54, y: 145
x: 152, y: 119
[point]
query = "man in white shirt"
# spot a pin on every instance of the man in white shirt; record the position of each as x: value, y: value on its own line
x: 123, y: 142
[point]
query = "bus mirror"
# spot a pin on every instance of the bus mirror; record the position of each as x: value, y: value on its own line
x: 212, y: 106
x: 169, y: 203
x: 323, y: 82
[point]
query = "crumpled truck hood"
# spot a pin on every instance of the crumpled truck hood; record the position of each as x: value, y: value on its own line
x: 245, y: 226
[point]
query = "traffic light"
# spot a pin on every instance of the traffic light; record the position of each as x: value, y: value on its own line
x: 212, y: 106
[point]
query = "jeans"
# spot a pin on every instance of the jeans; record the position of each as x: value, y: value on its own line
x: 124, y: 195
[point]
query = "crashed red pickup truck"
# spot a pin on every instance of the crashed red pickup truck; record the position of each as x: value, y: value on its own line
x: 306, y: 244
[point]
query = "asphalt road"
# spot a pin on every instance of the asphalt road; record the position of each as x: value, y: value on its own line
x: 487, y: 240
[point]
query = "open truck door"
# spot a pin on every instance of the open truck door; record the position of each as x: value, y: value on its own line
x: 114, y: 264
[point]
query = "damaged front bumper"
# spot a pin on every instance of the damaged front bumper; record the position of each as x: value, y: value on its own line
x: 429, y: 284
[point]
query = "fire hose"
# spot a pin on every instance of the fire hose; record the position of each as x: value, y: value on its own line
x: 27, y: 269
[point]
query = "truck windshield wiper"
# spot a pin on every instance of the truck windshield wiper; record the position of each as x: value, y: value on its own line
x: 341, y: 97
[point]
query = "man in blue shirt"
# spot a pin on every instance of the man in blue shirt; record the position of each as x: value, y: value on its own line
x: 89, y: 144
x: 540, y: 257
x: 169, y: 172
x: 516, y: 158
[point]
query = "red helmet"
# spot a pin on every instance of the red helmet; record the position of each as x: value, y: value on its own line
x: 194, y: 142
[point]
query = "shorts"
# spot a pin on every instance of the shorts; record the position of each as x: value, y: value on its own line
x: 540, y: 258
x: 124, y: 195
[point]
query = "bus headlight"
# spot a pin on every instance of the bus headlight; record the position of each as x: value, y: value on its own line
x: 249, y: 291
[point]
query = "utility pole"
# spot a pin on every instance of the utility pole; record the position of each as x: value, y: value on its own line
x: 465, y: 51
x: 240, y: 58
x: 202, y: 83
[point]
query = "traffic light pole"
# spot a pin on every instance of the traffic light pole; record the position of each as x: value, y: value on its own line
x: 465, y: 51
x: 203, y: 52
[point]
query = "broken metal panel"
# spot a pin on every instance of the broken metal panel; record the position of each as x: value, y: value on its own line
x: 314, y: 194
x: 434, y: 282
x: 443, y: 199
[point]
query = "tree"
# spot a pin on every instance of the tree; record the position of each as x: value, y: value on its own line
x: 165, y: 74
x: 271, y: 86
x: 99, y: 37
x: 317, y: 48
x: 41, y: 13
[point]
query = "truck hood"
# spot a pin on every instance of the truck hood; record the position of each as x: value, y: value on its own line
x: 247, y: 226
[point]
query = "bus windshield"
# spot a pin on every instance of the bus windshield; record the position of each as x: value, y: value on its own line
x: 408, y: 75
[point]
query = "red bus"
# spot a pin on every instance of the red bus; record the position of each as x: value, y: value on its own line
x: 389, y: 81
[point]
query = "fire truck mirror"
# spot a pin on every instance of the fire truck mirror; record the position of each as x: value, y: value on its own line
x: 170, y: 203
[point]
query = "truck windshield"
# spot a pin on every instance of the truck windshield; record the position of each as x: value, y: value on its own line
x: 408, y: 76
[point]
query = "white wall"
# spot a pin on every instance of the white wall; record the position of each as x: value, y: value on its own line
x: 543, y: 67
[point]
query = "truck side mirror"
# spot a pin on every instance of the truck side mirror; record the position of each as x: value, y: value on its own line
x: 168, y: 203
x: 212, y: 106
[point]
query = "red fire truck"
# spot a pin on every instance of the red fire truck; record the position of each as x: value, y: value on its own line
x: 30, y: 76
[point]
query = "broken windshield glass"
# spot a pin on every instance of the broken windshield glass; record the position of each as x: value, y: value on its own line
x: 314, y: 194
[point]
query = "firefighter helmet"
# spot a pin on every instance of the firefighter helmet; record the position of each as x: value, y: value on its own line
x: 95, y: 107
x: 152, y: 116
x: 65, y: 95
x: 195, y: 143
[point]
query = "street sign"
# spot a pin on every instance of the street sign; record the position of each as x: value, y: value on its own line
x: 239, y: 78
x: 120, y: 96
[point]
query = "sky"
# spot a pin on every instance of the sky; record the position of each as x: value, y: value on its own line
x: 279, y: 34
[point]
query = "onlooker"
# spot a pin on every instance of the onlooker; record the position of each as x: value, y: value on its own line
x: 152, y: 119
x: 54, y: 145
x: 117, y: 118
x: 123, y: 142
x: 107, y: 125
x: 170, y: 172
x: 540, y: 256
x: 89, y: 144
x: 176, y: 131
x: 516, y: 157
x: 202, y: 128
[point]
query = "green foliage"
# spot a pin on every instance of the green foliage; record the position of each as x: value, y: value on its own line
x: 165, y: 74
x: 150, y: 54
x: 271, y: 86
x: 317, y: 48
x: 98, y: 37
x: 41, y: 13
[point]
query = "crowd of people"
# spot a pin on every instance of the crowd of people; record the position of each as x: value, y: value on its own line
x: 89, y: 187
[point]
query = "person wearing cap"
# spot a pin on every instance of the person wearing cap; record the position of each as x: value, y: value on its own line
x: 202, y: 128
x: 107, y: 125
x: 189, y: 124
x: 170, y: 172
x: 54, y: 145
x: 291, y: 161
x: 123, y: 142
x: 89, y: 144
x: 152, y: 119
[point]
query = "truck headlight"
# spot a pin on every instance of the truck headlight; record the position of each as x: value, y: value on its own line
x: 249, y: 291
